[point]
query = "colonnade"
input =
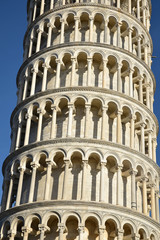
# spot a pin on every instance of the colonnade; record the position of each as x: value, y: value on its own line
x: 82, y: 70
x: 139, y: 9
x: 73, y: 227
x: 95, y: 181
x: 107, y: 123
x: 86, y: 28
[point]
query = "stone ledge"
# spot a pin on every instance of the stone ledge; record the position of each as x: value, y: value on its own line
x: 89, y: 205
x: 78, y: 141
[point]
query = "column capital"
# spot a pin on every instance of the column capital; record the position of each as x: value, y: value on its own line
x: 28, y: 116
x: 43, y: 227
x: 70, y: 105
x: 144, y: 179
x: 62, y: 20
x: 119, y: 65
x: 119, y: 167
x: 39, y: 30
x: 11, y: 233
x: 76, y: 18
x: 119, y: 112
x: 21, y: 169
x: 45, y: 65
x: 143, y: 124
x: 50, y: 25
x: 73, y: 59
x: 58, y: 60
x: 91, y: 18
x: 89, y: 59
x: 133, y: 172
x: 67, y: 162
x: 35, y: 165
x: 53, y: 107
x: 133, y: 117
x: 41, y: 110
x: 61, y: 227
x: 81, y: 228
x: 130, y: 29
x: 26, y: 230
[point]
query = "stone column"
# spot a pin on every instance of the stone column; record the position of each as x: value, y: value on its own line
x: 144, y: 188
x: 106, y: 31
x: 86, y: 127
x: 157, y: 205
x: 70, y: 118
x: 91, y: 29
x: 53, y: 124
x: 144, y: 15
x: 62, y: 31
x: 130, y: 30
x: 133, y: 189
x: 153, y: 207
x: 118, y: 3
x: 40, y: 120
x: 10, y: 192
x: 33, y: 85
x: 20, y: 184
x: 132, y: 129
x: 51, y: 4
x: 139, y: 47
x: 18, y: 135
x: 119, y: 184
x: 42, y: 7
x: 57, y: 83
x: 25, y: 88
x: 33, y: 181
x: 11, y: 234
x: 104, y: 73
x: 27, y: 130
x: 39, y: 31
x: 30, y: 47
x: 89, y: 63
x: 120, y: 234
x: 138, y: 9
x: 130, y: 6
x: 44, y: 80
x: 119, y: 127
x: 131, y: 82
x: 34, y: 10
x: 48, y: 179
x: 65, y: 179
x: 81, y: 230
x: 49, y: 37
x: 104, y: 122
x: 146, y: 53
x: 119, y: 24
x: 147, y: 95
x: 142, y: 138
x: 26, y: 48
x: 102, y: 184
x: 43, y: 228
x: 140, y: 90
x: 30, y: 13
x: 150, y: 144
x: 13, y: 138
x: 84, y: 176
x: 101, y: 232
x: 61, y: 229
x: 20, y: 90
x: 119, y: 80
x: 73, y: 71
x: 5, y: 193
x: 26, y: 231
x: 136, y: 237
x: 76, y: 28
x: 154, y: 146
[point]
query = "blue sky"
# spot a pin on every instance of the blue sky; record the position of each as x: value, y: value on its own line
x: 13, y: 27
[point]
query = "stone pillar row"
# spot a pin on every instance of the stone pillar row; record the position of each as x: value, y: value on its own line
x: 35, y: 9
x: 149, y: 190
x: 152, y: 143
x: 43, y: 229
x: 117, y: 28
x: 144, y: 88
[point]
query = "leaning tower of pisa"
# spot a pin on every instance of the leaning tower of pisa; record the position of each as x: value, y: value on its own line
x: 82, y: 162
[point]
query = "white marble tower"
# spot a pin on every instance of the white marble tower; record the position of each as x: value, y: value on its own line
x: 82, y: 163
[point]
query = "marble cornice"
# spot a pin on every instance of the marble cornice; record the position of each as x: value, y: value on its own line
x: 88, y: 44
x: 58, y: 205
x: 89, y: 89
x: 78, y: 141
x: 118, y: 10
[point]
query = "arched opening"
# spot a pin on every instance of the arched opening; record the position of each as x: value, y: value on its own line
x: 97, y: 70
x: 71, y: 228
x: 62, y: 118
x: 79, y: 118
x: 66, y: 69
x: 96, y: 121
x: 81, y: 70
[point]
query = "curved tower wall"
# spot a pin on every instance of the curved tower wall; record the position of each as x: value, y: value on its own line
x: 82, y: 162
